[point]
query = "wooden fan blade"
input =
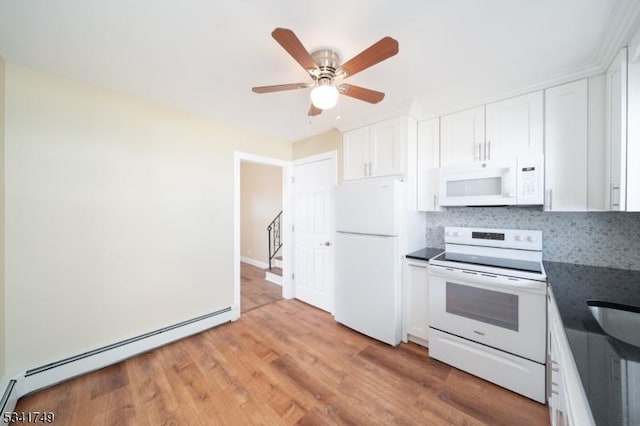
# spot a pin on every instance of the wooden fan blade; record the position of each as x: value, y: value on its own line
x: 357, y: 92
x: 288, y: 40
x: 378, y: 52
x: 313, y: 111
x: 280, y: 87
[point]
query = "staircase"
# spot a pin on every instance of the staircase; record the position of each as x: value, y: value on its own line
x: 274, y: 273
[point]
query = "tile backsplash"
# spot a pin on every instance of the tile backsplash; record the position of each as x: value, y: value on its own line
x: 596, y: 238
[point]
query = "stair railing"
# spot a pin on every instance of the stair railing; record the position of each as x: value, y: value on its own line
x: 275, y: 242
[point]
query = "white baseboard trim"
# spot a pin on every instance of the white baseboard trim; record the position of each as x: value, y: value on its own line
x: 34, y: 379
x: 257, y: 263
x: 273, y: 278
x: 419, y: 340
x: 9, y: 397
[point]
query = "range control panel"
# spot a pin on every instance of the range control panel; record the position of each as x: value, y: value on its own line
x: 505, y: 238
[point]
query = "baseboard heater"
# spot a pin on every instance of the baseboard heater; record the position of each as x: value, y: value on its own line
x: 50, y: 374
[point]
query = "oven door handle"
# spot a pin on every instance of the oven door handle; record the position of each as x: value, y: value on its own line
x: 486, y: 278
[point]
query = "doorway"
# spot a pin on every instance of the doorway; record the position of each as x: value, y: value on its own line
x: 261, y: 242
x: 312, y: 206
x: 241, y: 158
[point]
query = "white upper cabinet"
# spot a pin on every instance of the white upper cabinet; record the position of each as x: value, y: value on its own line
x: 386, y: 148
x: 428, y: 158
x: 566, y: 160
x: 633, y: 129
x: 462, y: 137
x: 375, y: 150
x: 596, y: 197
x: 514, y: 128
x: 355, y: 152
x: 616, y: 132
x: 498, y: 131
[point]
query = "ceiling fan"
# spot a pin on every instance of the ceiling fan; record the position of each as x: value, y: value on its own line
x: 323, y: 67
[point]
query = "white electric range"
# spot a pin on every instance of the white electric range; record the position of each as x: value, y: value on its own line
x: 487, y: 307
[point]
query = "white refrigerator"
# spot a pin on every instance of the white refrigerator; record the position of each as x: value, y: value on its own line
x: 371, y: 221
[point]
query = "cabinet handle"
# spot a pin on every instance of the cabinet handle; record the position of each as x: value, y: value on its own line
x: 365, y: 169
x: 479, y: 151
x: 435, y: 201
x: 415, y: 265
x: 370, y: 172
x: 489, y: 149
x: 485, y: 150
x: 612, y: 197
x: 551, y: 199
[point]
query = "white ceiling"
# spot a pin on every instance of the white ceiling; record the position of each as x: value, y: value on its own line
x: 204, y: 56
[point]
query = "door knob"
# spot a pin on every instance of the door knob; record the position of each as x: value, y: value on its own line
x: 326, y: 243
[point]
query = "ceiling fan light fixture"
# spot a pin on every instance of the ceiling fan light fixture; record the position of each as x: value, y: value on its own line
x: 324, y: 96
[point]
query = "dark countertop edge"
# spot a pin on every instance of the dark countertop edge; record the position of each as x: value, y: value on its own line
x: 572, y: 285
x: 424, y: 254
x: 590, y: 282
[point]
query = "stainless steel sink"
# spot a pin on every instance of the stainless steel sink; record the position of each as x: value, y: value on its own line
x: 619, y: 321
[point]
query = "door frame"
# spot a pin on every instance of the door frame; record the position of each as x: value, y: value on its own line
x: 287, y: 284
x: 333, y: 157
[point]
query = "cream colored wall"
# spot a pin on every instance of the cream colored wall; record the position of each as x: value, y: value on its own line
x: 324, y: 142
x: 119, y: 216
x: 2, y: 300
x: 260, y: 202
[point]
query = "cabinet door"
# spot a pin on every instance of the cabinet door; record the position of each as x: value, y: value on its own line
x: 462, y: 137
x: 557, y: 389
x: 566, y: 147
x: 597, y: 147
x: 355, y: 152
x: 568, y: 404
x: 515, y: 128
x: 616, y: 128
x: 428, y: 157
x: 385, y: 148
x: 633, y: 128
x: 416, y: 325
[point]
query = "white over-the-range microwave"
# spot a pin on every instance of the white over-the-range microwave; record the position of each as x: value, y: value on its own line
x: 493, y: 183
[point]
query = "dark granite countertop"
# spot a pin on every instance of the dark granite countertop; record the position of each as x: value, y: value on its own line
x: 609, y: 368
x: 425, y: 253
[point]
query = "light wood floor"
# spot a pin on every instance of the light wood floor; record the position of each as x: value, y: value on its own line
x: 255, y: 291
x: 283, y: 363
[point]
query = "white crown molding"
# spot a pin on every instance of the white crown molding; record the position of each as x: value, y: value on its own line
x: 552, y: 80
x: 622, y: 25
x: 411, y: 109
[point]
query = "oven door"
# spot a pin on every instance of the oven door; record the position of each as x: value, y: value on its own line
x: 502, y: 312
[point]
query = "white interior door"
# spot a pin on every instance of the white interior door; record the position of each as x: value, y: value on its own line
x: 313, y: 254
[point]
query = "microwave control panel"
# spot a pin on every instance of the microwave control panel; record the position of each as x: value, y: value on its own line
x: 530, y: 182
